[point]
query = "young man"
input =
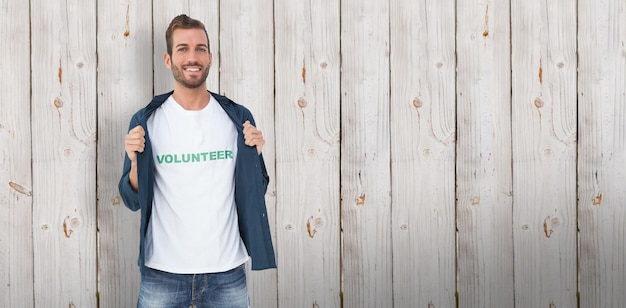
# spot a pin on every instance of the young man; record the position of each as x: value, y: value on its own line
x: 194, y: 168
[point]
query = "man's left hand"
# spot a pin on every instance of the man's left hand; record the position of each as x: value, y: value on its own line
x: 253, y: 136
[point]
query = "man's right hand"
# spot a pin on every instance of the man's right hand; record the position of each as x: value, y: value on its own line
x: 135, y: 142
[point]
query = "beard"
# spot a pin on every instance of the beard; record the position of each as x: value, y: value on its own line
x: 189, y: 83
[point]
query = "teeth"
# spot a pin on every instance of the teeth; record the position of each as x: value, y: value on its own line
x: 193, y: 69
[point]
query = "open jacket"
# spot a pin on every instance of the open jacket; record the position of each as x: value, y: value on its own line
x: 251, y: 182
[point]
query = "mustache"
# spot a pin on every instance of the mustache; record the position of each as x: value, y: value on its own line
x: 192, y: 64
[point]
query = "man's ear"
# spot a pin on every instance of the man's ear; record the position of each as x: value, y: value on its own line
x: 167, y: 60
x: 210, y: 60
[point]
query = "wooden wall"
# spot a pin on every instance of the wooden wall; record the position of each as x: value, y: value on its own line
x: 422, y: 154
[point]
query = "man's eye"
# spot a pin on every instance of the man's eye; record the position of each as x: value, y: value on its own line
x: 182, y: 49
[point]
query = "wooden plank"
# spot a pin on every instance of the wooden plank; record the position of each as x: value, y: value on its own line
x: 484, y: 177
x: 307, y: 152
x: 544, y: 152
x: 365, y: 159
x: 602, y: 152
x: 247, y: 77
x: 124, y: 86
x: 423, y: 153
x: 64, y: 152
x: 16, y: 244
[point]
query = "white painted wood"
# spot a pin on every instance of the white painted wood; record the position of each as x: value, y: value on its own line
x: 307, y: 152
x: 602, y: 152
x: 484, y: 177
x: 365, y: 155
x: 422, y: 153
x: 124, y: 86
x: 247, y: 77
x: 397, y: 147
x: 16, y: 244
x: 64, y: 152
x: 544, y: 152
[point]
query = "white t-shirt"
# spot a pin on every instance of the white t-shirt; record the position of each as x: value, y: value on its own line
x: 193, y: 228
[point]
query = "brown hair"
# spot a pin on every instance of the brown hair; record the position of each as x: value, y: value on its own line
x: 183, y: 22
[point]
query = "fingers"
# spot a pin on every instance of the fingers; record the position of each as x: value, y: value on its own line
x: 135, y: 142
x: 252, y: 136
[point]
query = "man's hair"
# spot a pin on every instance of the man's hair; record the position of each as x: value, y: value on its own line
x: 183, y: 22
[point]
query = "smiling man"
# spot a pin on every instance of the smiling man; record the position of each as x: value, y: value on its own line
x: 194, y: 169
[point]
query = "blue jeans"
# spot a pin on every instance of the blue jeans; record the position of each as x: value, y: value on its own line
x: 166, y: 290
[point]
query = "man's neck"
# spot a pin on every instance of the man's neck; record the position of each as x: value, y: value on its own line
x: 191, y: 99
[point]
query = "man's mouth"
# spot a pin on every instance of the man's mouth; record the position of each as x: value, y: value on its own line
x: 192, y: 69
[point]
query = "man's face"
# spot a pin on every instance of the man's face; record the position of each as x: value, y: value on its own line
x: 190, y: 60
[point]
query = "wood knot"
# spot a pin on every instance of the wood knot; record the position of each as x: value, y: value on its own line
x: 302, y: 103
x: 312, y: 225
x: 360, y: 200
x: 20, y: 189
x: 58, y: 102
x: 538, y: 102
x: 69, y: 223
x: 476, y: 201
x: 548, y: 152
x: 597, y: 200
x: 549, y: 225
x: 417, y: 103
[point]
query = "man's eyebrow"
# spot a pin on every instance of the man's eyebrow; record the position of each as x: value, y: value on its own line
x: 186, y: 45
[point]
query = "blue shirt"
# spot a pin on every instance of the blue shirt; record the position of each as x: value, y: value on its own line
x: 251, y: 182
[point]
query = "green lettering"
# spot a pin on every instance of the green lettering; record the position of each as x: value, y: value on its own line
x: 195, y: 157
x: 168, y: 159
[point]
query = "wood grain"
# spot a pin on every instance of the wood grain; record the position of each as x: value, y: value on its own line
x: 423, y: 153
x: 365, y: 155
x: 602, y: 152
x: 484, y: 178
x: 16, y: 202
x: 64, y: 152
x: 544, y: 152
x: 124, y: 86
x: 307, y: 145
